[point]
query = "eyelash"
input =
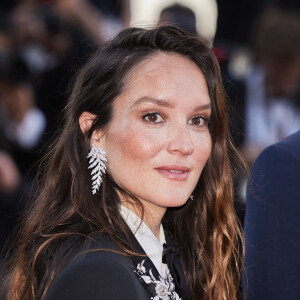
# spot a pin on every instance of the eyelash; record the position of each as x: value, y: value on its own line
x: 147, y: 115
x: 205, y: 119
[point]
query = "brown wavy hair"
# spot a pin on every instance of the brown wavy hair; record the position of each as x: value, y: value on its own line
x: 206, y: 229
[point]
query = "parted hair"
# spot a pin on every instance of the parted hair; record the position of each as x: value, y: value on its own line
x: 64, y: 208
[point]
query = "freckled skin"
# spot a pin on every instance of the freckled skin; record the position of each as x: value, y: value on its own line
x: 136, y: 147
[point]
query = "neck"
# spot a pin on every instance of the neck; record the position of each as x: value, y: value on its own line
x: 152, y: 215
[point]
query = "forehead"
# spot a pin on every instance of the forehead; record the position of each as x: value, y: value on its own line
x: 167, y: 76
x: 162, y: 63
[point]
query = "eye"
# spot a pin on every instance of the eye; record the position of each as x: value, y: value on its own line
x: 198, y: 121
x: 153, y: 117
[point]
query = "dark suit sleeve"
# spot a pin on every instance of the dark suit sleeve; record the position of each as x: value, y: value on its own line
x: 272, y: 227
x: 96, y: 276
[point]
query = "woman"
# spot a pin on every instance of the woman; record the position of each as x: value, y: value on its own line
x: 149, y: 112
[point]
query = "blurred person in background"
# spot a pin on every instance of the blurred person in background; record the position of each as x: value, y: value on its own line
x: 115, y: 15
x: 272, y: 109
x: 264, y: 97
x: 22, y: 125
x: 179, y: 15
x: 84, y: 16
x: 233, y: 46
x: 54, y: 38
x: 24, y: 122
x: 53, y: 49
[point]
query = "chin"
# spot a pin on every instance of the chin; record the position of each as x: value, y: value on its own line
x: 177, y: 201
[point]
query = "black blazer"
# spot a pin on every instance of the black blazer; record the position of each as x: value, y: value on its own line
x: 105, y: 274
x: 272, y: 224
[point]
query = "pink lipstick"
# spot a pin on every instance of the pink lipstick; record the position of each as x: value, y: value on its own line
x: 173, y: 172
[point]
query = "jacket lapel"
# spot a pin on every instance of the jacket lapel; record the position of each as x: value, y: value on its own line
x: 141, y: 259
x: 144, y: 261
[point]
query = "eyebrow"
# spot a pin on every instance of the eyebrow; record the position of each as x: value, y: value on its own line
x: 152, y: 100
x: 165, y: 103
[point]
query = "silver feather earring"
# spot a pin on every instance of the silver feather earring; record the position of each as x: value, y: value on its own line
x: 97, y: 164
x: 191, y: 197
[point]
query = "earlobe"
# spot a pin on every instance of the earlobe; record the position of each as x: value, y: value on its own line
x: 86, y: 120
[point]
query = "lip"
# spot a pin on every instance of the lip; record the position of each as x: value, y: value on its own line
x: 174, y: 172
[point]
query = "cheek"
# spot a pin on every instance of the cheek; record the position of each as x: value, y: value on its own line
x: 203, y: 150
x: 130, y: 148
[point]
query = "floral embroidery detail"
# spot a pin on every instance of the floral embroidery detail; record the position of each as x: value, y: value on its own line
x: 164, y: 287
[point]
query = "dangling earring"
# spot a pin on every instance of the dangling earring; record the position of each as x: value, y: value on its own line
x: 97, y: 164
x: 191, y: 197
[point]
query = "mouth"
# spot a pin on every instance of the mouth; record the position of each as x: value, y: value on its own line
x: 177, y: 173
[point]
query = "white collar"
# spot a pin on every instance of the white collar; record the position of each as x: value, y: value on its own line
x: 151, y: 245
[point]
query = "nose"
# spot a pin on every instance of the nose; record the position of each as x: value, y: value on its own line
x: 180, y: 140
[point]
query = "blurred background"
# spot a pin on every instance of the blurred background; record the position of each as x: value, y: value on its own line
x: 44, y: 42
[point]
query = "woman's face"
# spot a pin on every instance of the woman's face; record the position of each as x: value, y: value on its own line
x: 158, y: 140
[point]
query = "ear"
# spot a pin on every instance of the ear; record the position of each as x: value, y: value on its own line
x: 86, y: 120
